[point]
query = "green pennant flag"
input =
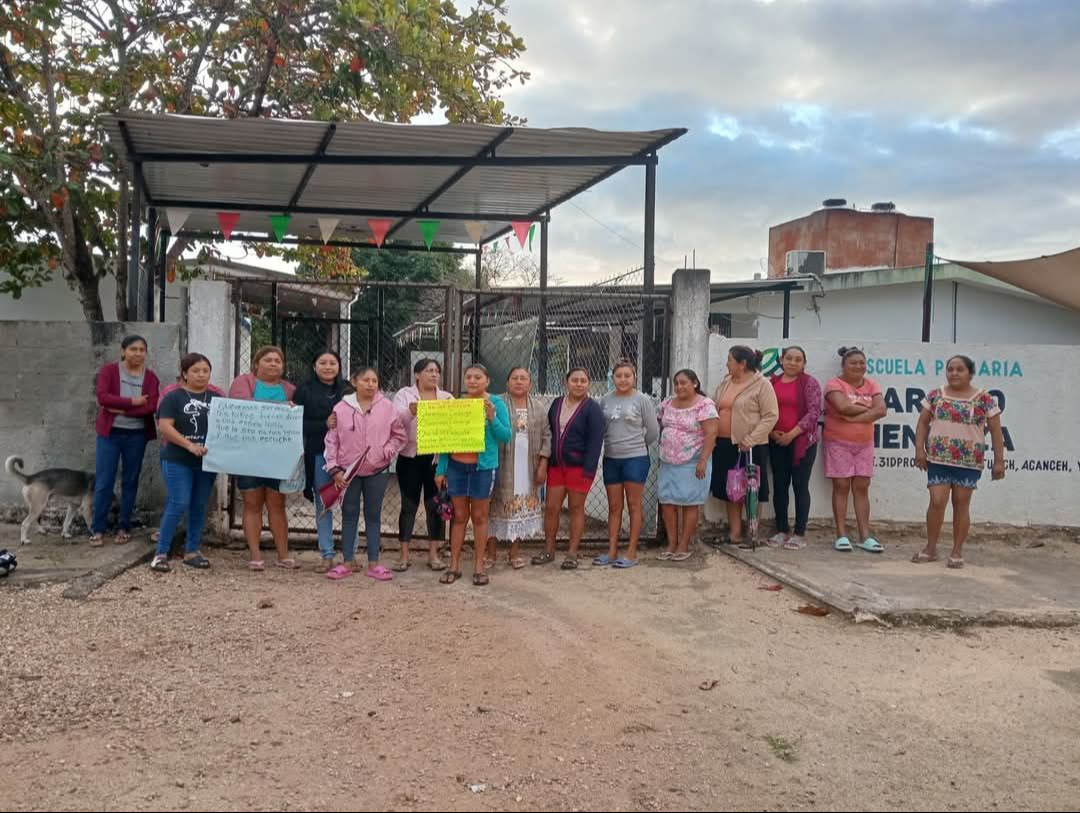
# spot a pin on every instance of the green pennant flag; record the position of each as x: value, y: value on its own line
x: 428, y: 228
x: 532, y: 231
x: 280, y: 224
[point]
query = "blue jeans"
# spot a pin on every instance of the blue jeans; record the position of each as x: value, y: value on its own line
x: 469, y: 480
x: 125, y: 445
x: 326, y: 523
x: 371, y: 490
x: 189, y: 491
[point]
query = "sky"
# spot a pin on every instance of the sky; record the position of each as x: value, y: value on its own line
x: 966, y: 111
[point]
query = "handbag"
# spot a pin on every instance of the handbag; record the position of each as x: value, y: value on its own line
x: 737, y: 480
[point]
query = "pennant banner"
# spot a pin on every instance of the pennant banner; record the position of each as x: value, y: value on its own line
x: 532, y: 231
x: 177, y: 218
x: 379, y: 228
x: 428, y: 228
x: 521, y: 229
x: 326, y: 227
x: 475, y: 230
x: 280, y: 224
x: 227, y: 221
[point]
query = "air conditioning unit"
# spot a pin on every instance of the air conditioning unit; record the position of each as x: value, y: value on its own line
x: 801, y: 263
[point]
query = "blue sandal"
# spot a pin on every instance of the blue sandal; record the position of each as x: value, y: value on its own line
x: 843, y: 544
x: 602, y: 560
x: 871, y: 545
x: 622, y: 563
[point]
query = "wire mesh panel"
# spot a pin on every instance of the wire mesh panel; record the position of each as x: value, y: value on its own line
x: 565, y: 328
x: 392, y: 325
x: 386, y: 325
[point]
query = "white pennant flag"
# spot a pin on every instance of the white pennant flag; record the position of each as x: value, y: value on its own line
x: 327, y: 226
x: 475, y: 229
x: 177, y: 218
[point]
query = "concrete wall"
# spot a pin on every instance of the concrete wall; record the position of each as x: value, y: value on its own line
x: 48, y: 407
x: 55, y: 302
x: 894, y: 312
x: 1040, y: 387
x: 852, y: 239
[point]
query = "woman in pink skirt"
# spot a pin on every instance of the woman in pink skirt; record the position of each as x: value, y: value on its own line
x: 853, y: 402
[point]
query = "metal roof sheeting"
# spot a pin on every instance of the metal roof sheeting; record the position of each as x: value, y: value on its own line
x: 497, y: 190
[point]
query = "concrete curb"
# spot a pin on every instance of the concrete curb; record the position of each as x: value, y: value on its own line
x: 83, y: 586
x: 931, y: 616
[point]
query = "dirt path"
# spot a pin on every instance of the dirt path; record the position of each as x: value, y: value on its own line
x: 546, y: 690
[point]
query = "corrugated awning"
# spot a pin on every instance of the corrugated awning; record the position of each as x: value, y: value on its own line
x: 1055, y: 277
x: 354, y: 171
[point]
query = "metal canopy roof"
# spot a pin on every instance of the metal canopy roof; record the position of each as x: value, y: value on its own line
x: 353, y: 171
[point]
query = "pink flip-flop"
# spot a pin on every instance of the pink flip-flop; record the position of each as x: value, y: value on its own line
x: 338, y: 573
x: 380, y: 574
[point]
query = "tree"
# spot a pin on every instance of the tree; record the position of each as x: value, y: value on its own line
x: 514, y: 269
x: 66, y: 63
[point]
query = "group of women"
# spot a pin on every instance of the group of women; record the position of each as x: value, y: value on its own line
x: 537, y: 458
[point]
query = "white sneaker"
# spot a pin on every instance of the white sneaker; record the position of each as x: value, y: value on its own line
x: 776, y: 541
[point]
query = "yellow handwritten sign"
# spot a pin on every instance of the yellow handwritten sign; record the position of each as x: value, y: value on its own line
x: 450, y: 426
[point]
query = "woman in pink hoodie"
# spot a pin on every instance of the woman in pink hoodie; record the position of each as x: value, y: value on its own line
x: 369, y: 433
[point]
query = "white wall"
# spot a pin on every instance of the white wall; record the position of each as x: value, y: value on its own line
x: 894, y: 312
x: 1041, y: 388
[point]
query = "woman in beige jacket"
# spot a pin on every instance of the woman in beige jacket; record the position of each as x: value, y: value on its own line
x: 746, y: 405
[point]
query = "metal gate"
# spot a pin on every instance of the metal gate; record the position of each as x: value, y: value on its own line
x: 391, y: 325
x: 565, y: 327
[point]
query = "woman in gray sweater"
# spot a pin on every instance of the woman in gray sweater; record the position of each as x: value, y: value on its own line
x: 631, y: 429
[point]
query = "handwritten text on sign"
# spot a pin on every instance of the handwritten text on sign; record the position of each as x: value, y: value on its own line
x: 450, y: 426
x: 256, y: 438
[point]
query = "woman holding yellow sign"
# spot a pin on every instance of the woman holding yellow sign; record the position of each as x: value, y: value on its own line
x: 470, y: 477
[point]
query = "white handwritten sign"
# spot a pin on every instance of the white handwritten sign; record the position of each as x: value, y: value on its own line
x: 256, y: 438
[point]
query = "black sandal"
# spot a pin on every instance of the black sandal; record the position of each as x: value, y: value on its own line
x: 480, y: 579
x: 544, y: 558
x: 160, y: 564
x: 450, y: 576
x: 569, y: 564
x: 198, y: 561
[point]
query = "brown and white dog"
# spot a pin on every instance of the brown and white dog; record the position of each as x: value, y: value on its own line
x: 76, y: 488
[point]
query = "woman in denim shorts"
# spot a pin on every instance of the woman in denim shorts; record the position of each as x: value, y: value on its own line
x: 950, y: 446
x: 469, y: 477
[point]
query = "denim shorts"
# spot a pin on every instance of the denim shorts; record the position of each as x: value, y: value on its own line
x: 938, y: 474
x: 626, y: 470
x: 245, y: 482
x: 467, y: 480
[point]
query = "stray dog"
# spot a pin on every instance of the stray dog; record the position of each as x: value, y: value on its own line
x: 74, y: 487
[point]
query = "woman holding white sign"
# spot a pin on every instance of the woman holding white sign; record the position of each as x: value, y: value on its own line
x: 470, y: 478
x: 359, y: 450
x: 853, y: 402
x: 416, y: 472
x: 264, y: 383
x: 950, y: 446
x: 183, y: 417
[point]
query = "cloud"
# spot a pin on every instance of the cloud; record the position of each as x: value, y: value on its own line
x: 963, y: 111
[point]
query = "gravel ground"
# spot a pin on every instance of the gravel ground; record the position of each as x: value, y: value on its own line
x: 547, y: 690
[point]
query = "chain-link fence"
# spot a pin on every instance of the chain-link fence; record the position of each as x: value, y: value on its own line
x: 392, y: 325
x: 550, y: 334
x: 387, y: 325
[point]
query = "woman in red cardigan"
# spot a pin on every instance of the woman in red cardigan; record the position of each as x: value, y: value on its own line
x: 127, y: 396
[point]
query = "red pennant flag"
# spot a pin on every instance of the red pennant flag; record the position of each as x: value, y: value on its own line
x: 228, y: 221
x: 379, y: 228
x: 521, y: 229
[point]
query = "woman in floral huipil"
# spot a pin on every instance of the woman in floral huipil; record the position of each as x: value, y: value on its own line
x: 951, y: 448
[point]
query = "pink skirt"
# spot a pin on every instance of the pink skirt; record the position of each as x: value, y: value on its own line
x: 844, y: 459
